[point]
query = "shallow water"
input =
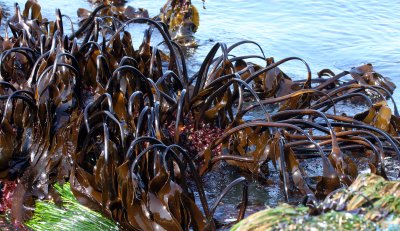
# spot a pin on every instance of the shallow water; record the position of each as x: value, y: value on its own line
x: 336, y: 34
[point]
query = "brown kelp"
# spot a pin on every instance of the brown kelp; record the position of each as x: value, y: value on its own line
x: 134, y: 134
x: 182, y: 19
x: 112, y: 12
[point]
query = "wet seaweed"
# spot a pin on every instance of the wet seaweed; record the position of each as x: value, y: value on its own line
x: 134, y: 134
x: 370, y: 203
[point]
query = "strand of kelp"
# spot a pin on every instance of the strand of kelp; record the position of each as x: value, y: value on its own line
x: 133, y: 133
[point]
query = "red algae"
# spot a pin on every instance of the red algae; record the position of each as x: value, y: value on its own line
x: 6, y: 194
x: 197, y: 140
x: 7, y: 189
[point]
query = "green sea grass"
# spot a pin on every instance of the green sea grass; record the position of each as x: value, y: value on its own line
x: 370, y: 203
x: 71, y: 216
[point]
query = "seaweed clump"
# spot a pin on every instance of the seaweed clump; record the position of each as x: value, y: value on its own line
x: 134, y: 134
x: 370, y: 203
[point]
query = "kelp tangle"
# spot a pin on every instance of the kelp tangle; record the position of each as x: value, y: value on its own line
x: 134, y: 134
x: 180, y: 16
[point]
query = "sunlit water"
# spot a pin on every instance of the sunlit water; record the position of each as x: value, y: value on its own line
x: 327, y: 34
